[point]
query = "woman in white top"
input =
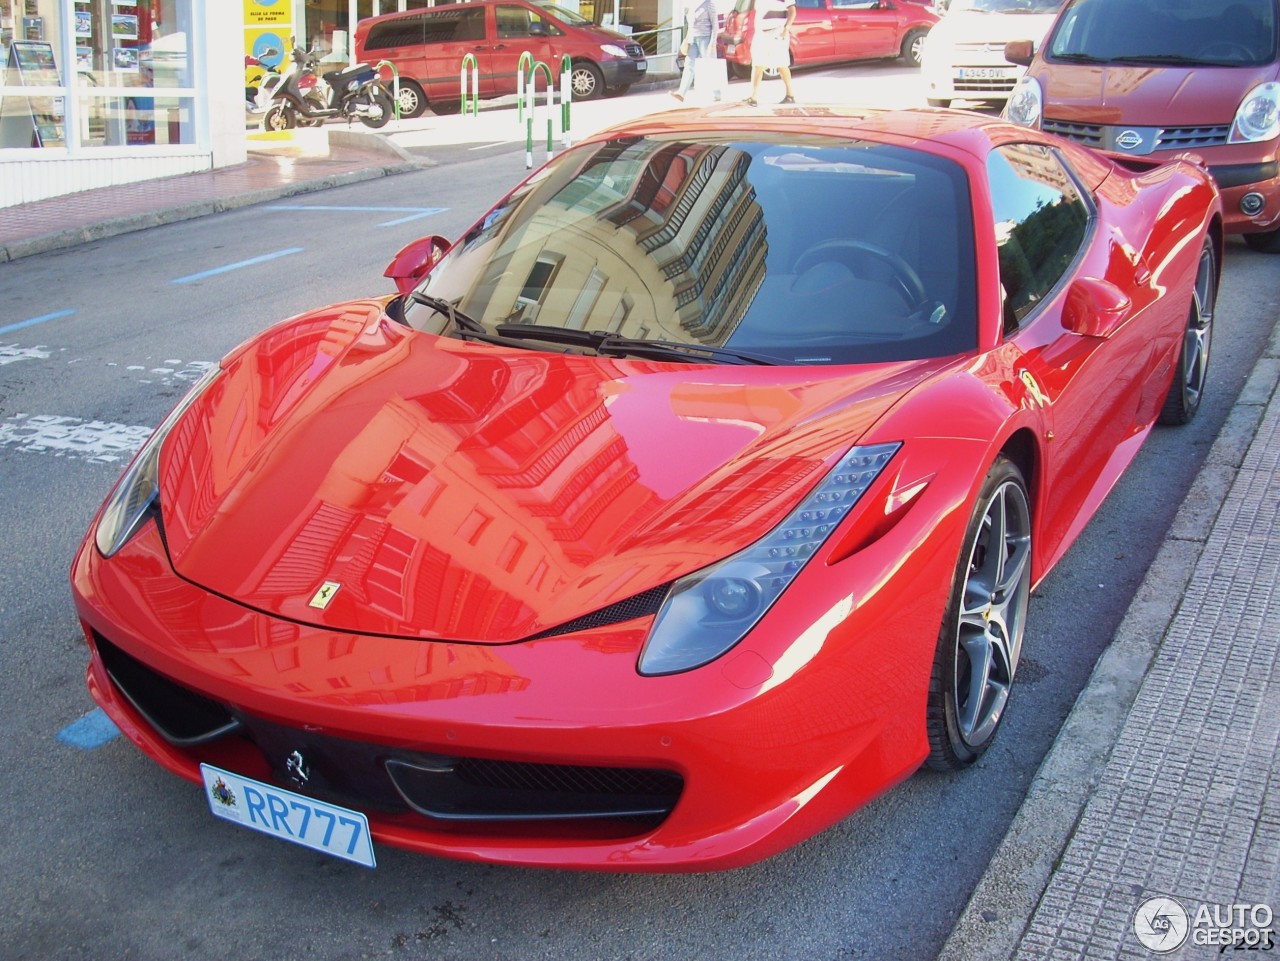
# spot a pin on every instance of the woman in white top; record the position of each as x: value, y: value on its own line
x: 771, y: 44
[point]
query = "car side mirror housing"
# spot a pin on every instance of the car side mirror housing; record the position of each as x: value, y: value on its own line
x: 1094, y: 308
x: 414, y: 261
x: 1020, y: 52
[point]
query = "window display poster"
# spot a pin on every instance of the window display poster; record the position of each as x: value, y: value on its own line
x: 124, y: 26
x: 32, y: 64
x: 84, y: 23
x: 264, y: 13
x: 33, y: 28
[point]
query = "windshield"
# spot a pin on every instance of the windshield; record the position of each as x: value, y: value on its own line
x: 1176, y: 32
x: 563, y: 14
x: 801, y: 250
x: 1006, y: 6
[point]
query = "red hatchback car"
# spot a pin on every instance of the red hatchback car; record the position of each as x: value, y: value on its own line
x: 834, y: 31
x: 1154, y: 79
x: 688, y: 500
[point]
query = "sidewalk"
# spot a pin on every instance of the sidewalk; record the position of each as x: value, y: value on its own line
x: 1164, y: 781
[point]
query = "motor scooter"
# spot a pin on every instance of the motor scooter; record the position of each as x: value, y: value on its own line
x: 303, y: 97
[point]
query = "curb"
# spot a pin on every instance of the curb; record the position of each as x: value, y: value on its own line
x: 72, y: 237
x: 1005, y: 899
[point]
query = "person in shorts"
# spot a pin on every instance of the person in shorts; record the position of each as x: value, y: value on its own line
x: 771, y: 44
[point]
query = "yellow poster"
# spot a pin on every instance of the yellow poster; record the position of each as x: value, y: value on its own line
x: 264, y: 13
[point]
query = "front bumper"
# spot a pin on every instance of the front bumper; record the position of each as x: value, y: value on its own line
x: 748, y: 755
x: 1248, y: 175
x: 618, y: 73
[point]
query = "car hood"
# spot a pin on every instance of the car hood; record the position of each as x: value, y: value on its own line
x: 971, y: 26
x: 603, y: 35
x: 1148, y: 96
x: 445, y: 489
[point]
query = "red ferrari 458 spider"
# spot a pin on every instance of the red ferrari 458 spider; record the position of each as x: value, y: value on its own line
x: 689, y: 500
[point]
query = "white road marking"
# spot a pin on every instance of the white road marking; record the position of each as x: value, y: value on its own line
x: 11, y: 353
x: 94, y: 440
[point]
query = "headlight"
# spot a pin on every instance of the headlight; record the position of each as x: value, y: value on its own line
x: 709, y: 611
x: 137, y: 492
x: 1259, y: 115
x: 1025, y: 103
x: 613, y: 50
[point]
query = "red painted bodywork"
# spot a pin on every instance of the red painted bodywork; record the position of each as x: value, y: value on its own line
x: 470, y: 495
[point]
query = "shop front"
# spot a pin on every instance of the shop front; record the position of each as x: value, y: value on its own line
x: 99, y: 92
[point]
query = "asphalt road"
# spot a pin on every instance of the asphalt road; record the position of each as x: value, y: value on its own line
x: 108, y: 857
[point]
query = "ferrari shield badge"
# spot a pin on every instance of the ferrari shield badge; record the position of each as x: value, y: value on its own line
x: 320, y: 600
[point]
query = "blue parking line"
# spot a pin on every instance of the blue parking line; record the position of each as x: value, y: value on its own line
x: 31, y: 322
x: 93, y: 730
x: 237, y: 265
x: 415, y: 213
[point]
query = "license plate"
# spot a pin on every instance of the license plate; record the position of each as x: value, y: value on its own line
x: 986, y: 73
x: 642, y: 67
x: 283, y: 814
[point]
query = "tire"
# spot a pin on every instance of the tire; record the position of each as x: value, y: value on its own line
x: 1187, y: 388
x: 278, y: 117
x: 387, y: 108
x: 1267, y: 243
x: 315, y: 102
x: 740, y: 71
x: 413, y: 102
x: 939, y: 103
x: 912, y: 52
x: 984, y: 623
x: 586, y: 81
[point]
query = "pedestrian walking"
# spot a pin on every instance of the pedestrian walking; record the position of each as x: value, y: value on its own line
x: 699, y: 41
x: 771, y: 44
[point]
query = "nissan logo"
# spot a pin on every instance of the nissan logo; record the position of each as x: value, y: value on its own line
x: 1129, y: 139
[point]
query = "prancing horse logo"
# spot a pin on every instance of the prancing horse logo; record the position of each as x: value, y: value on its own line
x: 320, y: 600
x: 297, y: 768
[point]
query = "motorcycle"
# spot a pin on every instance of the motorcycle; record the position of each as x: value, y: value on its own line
x: 302, y: 98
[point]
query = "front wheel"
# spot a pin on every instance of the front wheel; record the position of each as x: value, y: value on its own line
x: 984, y: 622
x: 912, y: 52
x: 1187, y: 389
x: 586, y: 81
x: 278, y: 117
x: 413, y: 102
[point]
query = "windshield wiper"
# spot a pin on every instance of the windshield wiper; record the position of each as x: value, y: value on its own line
x: 1079, y: 58
x: 461, y: 322
x: 1172, y: 58
x: 614, y: 345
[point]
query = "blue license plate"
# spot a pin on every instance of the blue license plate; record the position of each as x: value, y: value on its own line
x: 283, y: 814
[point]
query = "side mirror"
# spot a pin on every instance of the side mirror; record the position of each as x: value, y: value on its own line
x: 1020, y: 52
x: 414, y: 261
x: 1094, y: 308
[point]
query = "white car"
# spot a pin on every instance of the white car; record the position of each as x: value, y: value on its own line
x: 964, y: 52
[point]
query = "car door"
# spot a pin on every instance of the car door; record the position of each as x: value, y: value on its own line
x: 451, y: 33
x: 519, y: 30
x: 1088, y: 389
x: 812, y: 39
x: 864, y: 29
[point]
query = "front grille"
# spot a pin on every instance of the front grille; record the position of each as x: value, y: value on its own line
x: 1184, y: 138
x: 1086, y: 133
x: 181, y: 716
x: 634, y: 50
x: 997, y: 85
x: 370, y: 776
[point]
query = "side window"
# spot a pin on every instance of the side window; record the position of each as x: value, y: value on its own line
x: 811, y: 4
x: 450, y: 26
x: 396, y: 32
x: 1041, y: 221
x: 512, y: 22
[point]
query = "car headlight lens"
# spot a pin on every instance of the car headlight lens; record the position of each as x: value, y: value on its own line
x: 1025, y: 104
x: 137, y: 492
x: 709, y: 611
x: 613, y: 50
x: 1259, y: 115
